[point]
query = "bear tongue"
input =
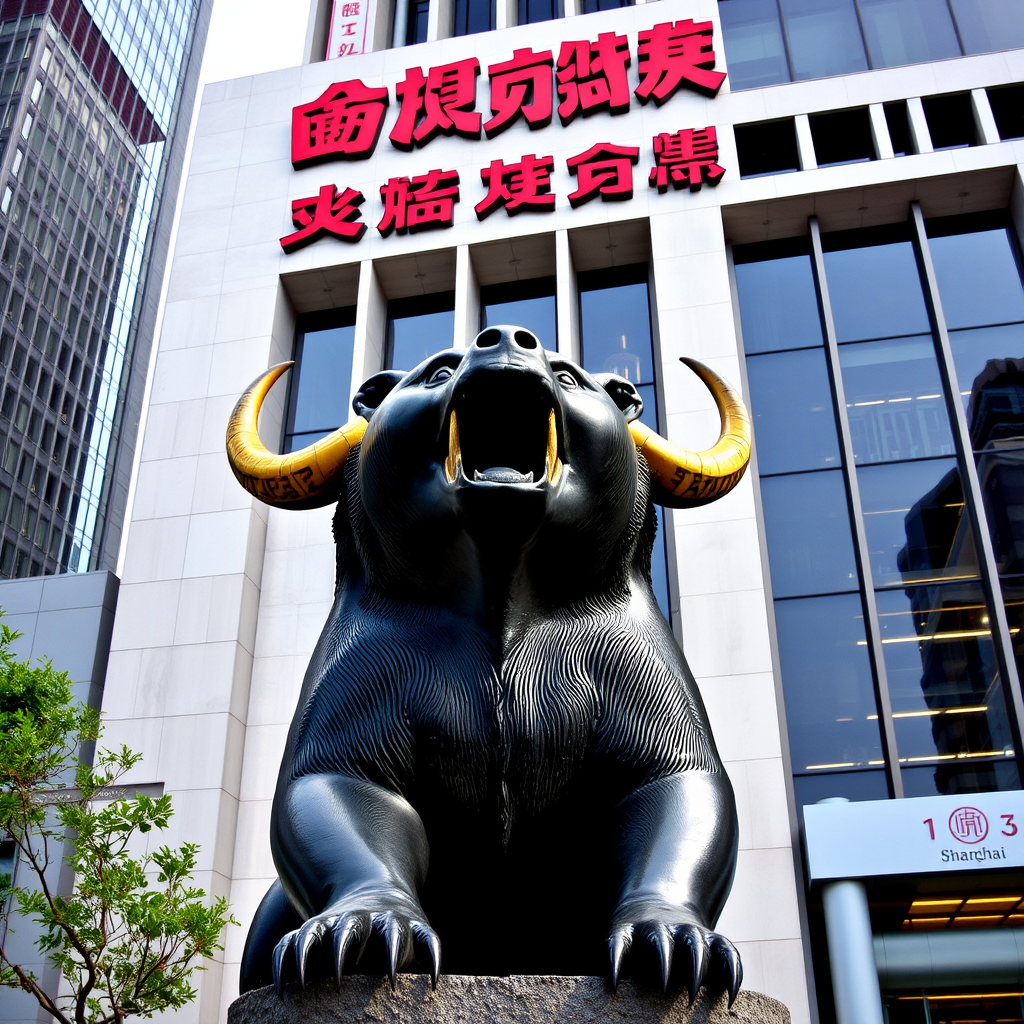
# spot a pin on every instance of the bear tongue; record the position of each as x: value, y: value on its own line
x: 502, y: 475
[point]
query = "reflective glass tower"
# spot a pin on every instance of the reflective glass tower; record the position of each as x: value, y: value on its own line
x: 95, y: 102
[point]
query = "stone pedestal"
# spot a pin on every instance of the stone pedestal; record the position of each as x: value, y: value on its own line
x: 460, y: 999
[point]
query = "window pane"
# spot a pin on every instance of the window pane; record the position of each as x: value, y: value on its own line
x: 415, y: 338
x: 908, y: 31
x: 416, y: 31
x: 616, y: 332
x: 294, y: 442
x: 778, y: 304
x: 972, y: 352
x: 650, y: 399
x: 810, y: 550
x: 894, y: 400
x: 863, y: 785
x: 531, y: 11
x: 593, y: 6
x: 824, y: 38
x: 826, y: 676
x: 659, y: 566
x: 978, y: 278
x: 323, y: 380
x: 1001, y: 474
x: 875, y: 292
x: 946, y: 692
x: 987, y: 25
x: 754, y: 50
x: 915, y: 522
x: 473, y: 16
x: 1013, y: 600
x: 536, y: 315
x: 791, y: 403
x: 947, y: 778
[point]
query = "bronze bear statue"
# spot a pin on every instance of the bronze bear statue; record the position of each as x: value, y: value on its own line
x: 498, y: 747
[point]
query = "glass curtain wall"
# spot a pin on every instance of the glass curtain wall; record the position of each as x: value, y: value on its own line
x: 615, y: 337
x: 89, y: 97
x: 894, y: 666
x: 321, y: 377
x: 770, y: 41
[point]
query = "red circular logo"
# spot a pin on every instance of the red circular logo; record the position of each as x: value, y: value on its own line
x: 968, y: 825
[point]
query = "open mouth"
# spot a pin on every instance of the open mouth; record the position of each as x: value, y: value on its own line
x: 503, y: 434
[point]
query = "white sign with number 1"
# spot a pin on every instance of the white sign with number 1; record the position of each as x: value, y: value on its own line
x: 930, y: 835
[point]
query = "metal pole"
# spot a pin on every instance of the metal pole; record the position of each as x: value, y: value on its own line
x: 860, y: 540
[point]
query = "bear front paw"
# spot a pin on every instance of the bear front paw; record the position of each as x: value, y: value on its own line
x: 673, y: 935
x: 344, y: 932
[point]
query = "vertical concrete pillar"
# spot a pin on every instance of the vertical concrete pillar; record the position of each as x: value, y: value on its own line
x: 985, y: 123
x: 805, y: 143
x: 566, y: 299
x: 880, y: 132
x: 467, y: 299
x: 401, y: 26
x: 919, y: 126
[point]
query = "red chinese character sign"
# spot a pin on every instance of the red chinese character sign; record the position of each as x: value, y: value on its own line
x: 590, y: 77
x: 328, y: 213
x: 439, y: 104
x: 342, y: 124
x: 420, y: 203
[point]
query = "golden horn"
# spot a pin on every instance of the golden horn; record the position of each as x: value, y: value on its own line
x: 300, y: 480
x: 696, y: 478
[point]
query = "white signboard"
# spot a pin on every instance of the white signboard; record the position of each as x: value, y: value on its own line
x: 347, y: 36
x: 922, y: 835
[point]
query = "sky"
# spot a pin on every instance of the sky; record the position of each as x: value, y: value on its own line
x: 250, y: 36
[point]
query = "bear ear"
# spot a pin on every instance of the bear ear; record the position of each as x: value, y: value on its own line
x: 622, y: 393
x: 373, y: 391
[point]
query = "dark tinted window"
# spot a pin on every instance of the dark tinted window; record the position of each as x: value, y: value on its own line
x: 898, y: 122
x: 826, y: 675
x: 753, y: 43
x: 907, y: 31
x: 842, y: 136
x: 1007, y: 104
x: 807, y: 524
x: 1002, y: 485
x: 767, y: 147
x: 418, y: 327
x: 950, y: 121
x: 321, y: 378
x: 875, y: 292
x: 593, y: 6
x: 416, y: 30
x: 778, y: 304
x: 865, y: 785
x: 824, y: 38
x: 791, y: 404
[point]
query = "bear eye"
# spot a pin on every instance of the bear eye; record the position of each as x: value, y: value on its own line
x: 567, y: 380
x: 441, y: 374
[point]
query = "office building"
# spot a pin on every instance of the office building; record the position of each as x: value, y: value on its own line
x: 823, y: 201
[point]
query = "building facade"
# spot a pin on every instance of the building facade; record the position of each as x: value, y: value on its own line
x: 821, y: 200
x: 93, y: 96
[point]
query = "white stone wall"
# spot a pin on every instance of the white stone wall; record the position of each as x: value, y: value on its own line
x: 222, y: 598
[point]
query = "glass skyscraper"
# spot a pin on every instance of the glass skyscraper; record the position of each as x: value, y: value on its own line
x: 95, y: 101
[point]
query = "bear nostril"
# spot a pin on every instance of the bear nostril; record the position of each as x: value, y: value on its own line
x: 525, y: 340
x: 488, y: 338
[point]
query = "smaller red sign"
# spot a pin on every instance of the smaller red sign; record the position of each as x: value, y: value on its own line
x: 344, y: 123
x: 327, y: 213
x: 518, y: 187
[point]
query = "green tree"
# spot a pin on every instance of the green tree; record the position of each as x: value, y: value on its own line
x: 128, y: 937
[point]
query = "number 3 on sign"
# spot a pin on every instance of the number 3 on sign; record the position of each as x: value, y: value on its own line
x: 1009, y: 828
x: 931, y: 827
